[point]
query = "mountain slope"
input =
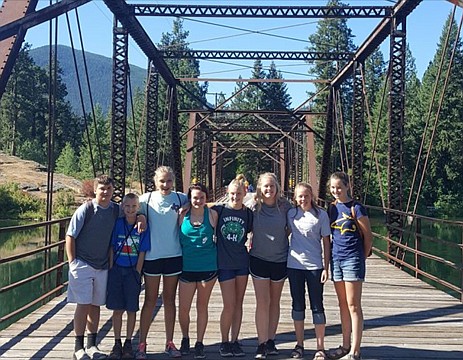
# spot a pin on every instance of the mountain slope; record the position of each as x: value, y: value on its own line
x: 100, y: 75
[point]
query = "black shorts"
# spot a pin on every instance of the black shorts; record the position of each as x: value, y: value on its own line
x: 197, y: 276
x: 267, y: 270
x: 166, y: 266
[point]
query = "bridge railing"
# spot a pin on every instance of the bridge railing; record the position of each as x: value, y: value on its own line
x: 36, y: 281
x: 430, y: 249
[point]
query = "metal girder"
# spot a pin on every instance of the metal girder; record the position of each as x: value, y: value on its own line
x: 310, y: 12
x: 396, y: 131
x: 327, y: 146
x: 358, y: 134
x: 174, y: 130
x: 250, y: 112
x: 152, y: 106
x: 379, y: 34
x: 121, y: 10
x: 119, y: 109
x: 256, y: 55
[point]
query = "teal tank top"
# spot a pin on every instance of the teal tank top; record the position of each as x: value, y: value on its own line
x: 198, y: 247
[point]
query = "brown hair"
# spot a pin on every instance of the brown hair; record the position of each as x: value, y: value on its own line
x: 197, y: 186
x: 102, y: 180
x: 307, y: 186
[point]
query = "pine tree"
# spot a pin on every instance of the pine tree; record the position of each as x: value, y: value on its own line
x: 67, y: 161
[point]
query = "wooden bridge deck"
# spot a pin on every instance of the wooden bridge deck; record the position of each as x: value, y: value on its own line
x: 404, y: 319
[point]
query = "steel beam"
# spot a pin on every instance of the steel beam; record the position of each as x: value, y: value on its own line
x: 119, y: 109
x: 358, y: 134
x: 305, y: 12
x: 327, y: 146
x: 152, y: 107
x: 256, y: 55
x: 396, y: 131
x: 399, y: 12
x: 122, y: 11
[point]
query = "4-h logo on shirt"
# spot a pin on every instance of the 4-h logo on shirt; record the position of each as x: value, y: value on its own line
x: 232, y: 231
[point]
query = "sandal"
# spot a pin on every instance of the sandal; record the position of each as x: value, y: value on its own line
x: 298, y: 352
x: 320, y: 355
x: 337, y: 353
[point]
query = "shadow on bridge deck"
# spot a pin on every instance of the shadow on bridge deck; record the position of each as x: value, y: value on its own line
x: 404, y: 319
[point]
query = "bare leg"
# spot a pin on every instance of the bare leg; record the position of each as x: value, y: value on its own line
x: 274, y: 307
x: 151, y: 295
x: 80, y: 318
x: 93, y: 319
x: 299, y: 329
x: 117, y: 323
x: 202, y: 302
x: 346, y: 324
x: 169, y: 290
x: 354, y: 301
x: 320, y: 335
x: 262, y: 292
x: 229, y: 305
x: 131, y: 319
x: 186, y: 292
x: 241, y: 283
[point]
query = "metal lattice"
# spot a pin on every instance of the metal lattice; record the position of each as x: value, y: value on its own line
x: 396, y: 130
x: 119, y: 109
x: 174, y: 127
x: 327, y: 145
x: 358, y: 132
x: 152, y: 107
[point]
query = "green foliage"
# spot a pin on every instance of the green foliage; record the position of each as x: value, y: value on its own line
x: 67, y: 161
x: 17, y: 204
x: 64, y: 204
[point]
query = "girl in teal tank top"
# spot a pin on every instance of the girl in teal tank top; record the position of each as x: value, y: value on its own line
x: 199, y: 266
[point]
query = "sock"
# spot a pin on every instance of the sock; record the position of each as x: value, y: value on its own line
x: 128, y: 342
x: 79, y: 342
x: 91, y: 340
x: 118, y: 341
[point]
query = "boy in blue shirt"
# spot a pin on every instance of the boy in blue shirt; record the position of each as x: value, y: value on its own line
x: 124, y: 278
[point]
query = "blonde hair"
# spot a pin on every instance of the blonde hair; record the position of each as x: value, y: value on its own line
x: 163, y: 170
x: 239, y: 181
x: 130, y: 196
x: 308, y: 187
x: 259, y: 198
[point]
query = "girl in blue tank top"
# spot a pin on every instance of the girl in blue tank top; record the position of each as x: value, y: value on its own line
x: 199, y: 266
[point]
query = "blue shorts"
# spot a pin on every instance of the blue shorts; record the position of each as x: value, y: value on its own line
x: 124, y: 285
x: 225, y: 274
x: 166, y: 266
x: 351, y: 269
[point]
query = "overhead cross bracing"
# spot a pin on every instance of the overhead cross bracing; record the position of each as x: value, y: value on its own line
x: 261, y: 11
x: 256, y: 55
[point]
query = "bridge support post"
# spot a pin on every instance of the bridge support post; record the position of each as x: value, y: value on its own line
x: 119, y: 109
x: 311, y: 159
x: 358, y: 131
x: 174, y: 130
x: 152, y: 106
x: 396, y: 131
x: 327, y: 146
x: 190, y: 136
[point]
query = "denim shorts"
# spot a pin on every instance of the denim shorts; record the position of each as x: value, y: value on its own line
x: 351, y: 269
x: 124, y: 285
x: 225, y: 274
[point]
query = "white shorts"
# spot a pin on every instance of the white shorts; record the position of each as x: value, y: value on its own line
x: 86, y: 284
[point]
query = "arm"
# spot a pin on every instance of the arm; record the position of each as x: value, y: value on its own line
x: 364, y: 224
x: 111, y: 257
x: 326, y: 258
x: 213, y: 217
x: 70, y: 248
x: 141, y: 260
x: 141, y: 223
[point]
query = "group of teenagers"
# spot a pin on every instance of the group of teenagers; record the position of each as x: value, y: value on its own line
x: 190, y: 244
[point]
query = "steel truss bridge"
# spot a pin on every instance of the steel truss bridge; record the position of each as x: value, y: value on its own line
x: 290, y: 134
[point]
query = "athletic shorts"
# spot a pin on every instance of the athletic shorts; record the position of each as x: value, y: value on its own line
x: 267, y: 270
x: 166, y: 266
x: 197, y: 276
x: 87, y: 285
x: 225, y: 274
x: 124, y: 285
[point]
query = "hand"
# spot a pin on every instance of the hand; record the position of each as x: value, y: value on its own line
x: 324, y: 276
x: 141, y: 223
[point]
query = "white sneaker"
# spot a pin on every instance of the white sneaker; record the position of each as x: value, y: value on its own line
x: 80, y: 355
x: 95, y: 353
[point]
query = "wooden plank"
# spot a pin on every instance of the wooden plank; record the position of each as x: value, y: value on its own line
x: 405, y: 318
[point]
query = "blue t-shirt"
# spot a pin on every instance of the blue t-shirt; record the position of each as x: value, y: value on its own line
x: 346, y: 240
x: 127, y: 243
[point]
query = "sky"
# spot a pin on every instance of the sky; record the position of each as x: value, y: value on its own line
x: 424, y: 28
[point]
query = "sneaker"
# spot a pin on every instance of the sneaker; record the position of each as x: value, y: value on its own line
x: 95, y: 353
x: 199, y: 350
x: 226, y: 349
x: 185, y: 346
x: 81, y: 355
x: 140, y: 354
x: 261, y: 352
x: 116, y: 352
x: 236, y: 349
x: 172, y: 351
x: 351, y: 357
x: 127, y: 351
x: 271, y: 348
